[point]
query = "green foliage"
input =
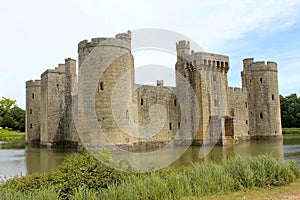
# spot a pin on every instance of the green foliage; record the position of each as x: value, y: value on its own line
x: 14, y: 140
x: 83, y: 177
x: 290, y: 130
x: 6, y: 135
x: 83, y: 170
x: 11, y: 115
x: 290, y: 111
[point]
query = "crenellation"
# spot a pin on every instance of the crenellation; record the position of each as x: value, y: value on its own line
x: 249, y: 112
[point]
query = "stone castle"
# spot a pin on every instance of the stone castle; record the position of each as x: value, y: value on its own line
x: 211, y: 112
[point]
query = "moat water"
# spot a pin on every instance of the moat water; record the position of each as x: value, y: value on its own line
x: 16, y: 162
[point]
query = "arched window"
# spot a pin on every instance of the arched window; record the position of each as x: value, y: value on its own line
x: 273, y: 97
x: 170, y: 126
x: 260, y: 80
x: 101, y: 86
x: 261, y: 115
x: 175, y: 102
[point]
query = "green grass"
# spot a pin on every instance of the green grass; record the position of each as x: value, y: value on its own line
x: 6, y: 135
x: 83, y: 177
x: 290, y: 130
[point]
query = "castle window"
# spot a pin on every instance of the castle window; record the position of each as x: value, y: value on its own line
x: 170, y: 126
x: 30, y: 125
x: 248, y: 132
x: 222, y: 64
x: 232, y: 112
x: 246, y: 121
x: 261, y: 115
x: 216, y: 103
x: 273, y: 97
x: 142, y: 101
x: 127, y: 115
x: 226, y: 64
x: 175, y: 102
x: 246, y: 104
x: 32, y: 96
x: 30, y: 111
x: 101, y: 86
x: 209, y: 62
x: 205, y: 62
x: 57, y: 86
x: 260, y: 80
x: 218, y: 64
x: 178, y: 125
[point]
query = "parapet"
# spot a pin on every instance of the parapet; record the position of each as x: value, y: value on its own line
x: 237, y: 92
x: 60, y: 69
x: 160, y: 82
x: 122, y: 40
x: 33, y: 83
x: 259, y: 65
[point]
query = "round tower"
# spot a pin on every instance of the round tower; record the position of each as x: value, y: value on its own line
x: 113, y: 71
x: 261, y: 81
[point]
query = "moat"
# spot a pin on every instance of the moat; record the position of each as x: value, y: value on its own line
x: 29, y: 160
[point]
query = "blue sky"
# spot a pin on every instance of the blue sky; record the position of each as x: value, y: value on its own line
x: 37, y: 35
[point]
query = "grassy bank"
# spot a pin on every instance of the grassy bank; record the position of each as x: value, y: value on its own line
x: 83, y: 177
x: 7, y: 135
x: 12, y: 139
x: 290, y: 130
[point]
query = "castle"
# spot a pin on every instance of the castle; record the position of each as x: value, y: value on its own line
x: 201, y: 108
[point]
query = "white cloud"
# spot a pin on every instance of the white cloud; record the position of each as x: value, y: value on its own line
x: 36, y: 35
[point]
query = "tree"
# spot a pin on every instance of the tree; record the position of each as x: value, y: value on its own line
x: 11, y: 115
x: 290, y: 110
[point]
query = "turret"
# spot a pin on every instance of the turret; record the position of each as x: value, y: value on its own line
x: 261, y: 81
x: 33, y: 97
x: 183, y: 47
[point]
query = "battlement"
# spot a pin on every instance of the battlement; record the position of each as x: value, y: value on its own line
x: 259, y: 65
x: 122, y: 40
x: 208, y: 61
x: 237, y: 91
x: 33, y: 83
x: 59, y: 69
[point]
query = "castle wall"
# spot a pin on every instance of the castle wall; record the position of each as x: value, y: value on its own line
x: 70, y: 133
x: 238, y: 111
x: 52, y: 104
x: 165, y: 122
x: 201, y: 108
x: 33, y: 123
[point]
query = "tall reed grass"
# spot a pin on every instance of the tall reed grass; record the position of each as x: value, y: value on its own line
x: 197, y: 181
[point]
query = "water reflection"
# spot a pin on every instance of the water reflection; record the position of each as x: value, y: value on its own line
x: 42, y: 160
x: 14, y: 162
x: 219, y: 153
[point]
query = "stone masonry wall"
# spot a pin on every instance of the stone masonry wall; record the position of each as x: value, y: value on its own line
x: 52, y: 105
x: 33, y: 123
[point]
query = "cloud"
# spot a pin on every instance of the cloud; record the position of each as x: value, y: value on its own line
x: 36, y: 35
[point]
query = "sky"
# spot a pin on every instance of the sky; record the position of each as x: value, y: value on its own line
x: 38, y: 34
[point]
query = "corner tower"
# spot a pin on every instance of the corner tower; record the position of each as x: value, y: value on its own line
x: 33, y: 98
x: 261, y: 81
